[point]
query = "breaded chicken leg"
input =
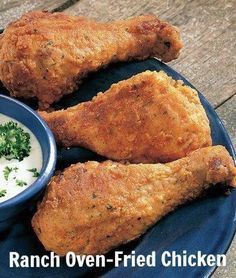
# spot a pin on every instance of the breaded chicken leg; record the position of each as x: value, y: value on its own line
x: 46, y: 55
x: 109, y: 204
x: 147, y: 118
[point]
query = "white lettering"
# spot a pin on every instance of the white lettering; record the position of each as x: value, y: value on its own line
x: 176, y: 260
x: 44, y: 260
x: 190, y: 260
x: 118, y: 258
x: 13, y: 259
x: 80, y: 260
x: 141, y: 260
x: 24, y: 261
x: 90, y: 261
x: 100, y: 261
x: 211, y: 260
x: 168, y: 259
x: 54, y: 260
x: 34, y: 260
x: 221, y: 260
x: 201, y: 259
x: 125, y: 260
x: 183, y: 259
x: 151, y: 259
x: 164, y: 258
x: 70, y: 259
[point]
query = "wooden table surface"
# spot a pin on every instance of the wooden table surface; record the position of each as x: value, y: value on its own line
x: 208, y: 59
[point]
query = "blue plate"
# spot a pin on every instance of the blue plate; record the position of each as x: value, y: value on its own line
x: 207, y: 225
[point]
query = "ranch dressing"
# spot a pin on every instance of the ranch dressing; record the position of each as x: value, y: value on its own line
x: 22, y: 173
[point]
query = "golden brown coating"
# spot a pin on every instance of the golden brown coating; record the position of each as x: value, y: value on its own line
x: 45, y: 55
x: 93, y: 207
x: 147, y: 118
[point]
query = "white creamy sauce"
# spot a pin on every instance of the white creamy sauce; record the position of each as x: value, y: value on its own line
x: 21, y: 174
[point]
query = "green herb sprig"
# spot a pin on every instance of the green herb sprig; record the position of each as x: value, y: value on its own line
x: 20, y: 183
x: 8, y: 170
x: 14, y: 141
x: 3, y: 193
x: 34, y: 171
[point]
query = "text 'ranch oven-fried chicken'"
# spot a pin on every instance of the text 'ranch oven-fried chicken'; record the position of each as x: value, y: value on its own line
x: 147, y: 118
x: 52, y: 52
x: 111, y: 203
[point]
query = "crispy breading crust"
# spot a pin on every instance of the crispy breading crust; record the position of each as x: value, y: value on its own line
x: 93, y: 207
x: 46, y: 55
x: 147, y: 118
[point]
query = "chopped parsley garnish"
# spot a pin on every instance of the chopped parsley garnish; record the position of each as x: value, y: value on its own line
x: 6, y: 172
x: 3, y: 192
x: 14, y: 141
x: 20, y: 183
x: 34, y: 171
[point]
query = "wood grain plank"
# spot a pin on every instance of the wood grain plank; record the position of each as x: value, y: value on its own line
x: 227, y: 113
x: 208, y: 31
x: 12, y: 9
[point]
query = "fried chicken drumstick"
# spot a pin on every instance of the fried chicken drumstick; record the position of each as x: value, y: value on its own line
x: 109, y: 203
x: 147, y: 118
x: 45, y: 55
